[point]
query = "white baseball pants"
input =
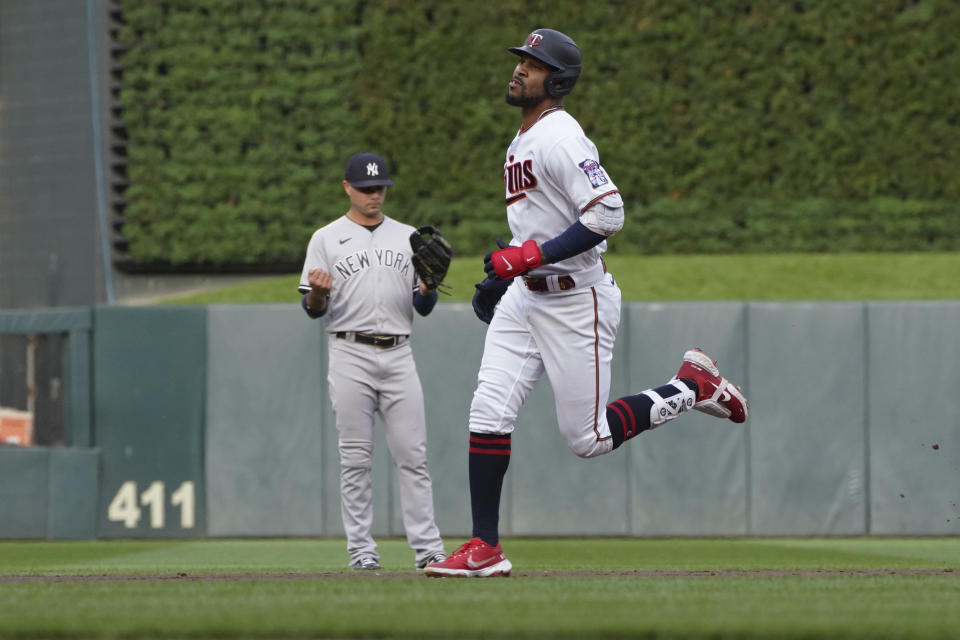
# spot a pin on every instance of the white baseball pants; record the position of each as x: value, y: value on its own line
x: 568, y: 335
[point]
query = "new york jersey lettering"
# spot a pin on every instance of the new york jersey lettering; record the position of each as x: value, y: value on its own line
x: 393, y: 259
x: 353, y: 264
x: 349, y: 265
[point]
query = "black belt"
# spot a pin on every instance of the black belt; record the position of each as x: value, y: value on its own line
x: 541, y: 284
x: 366, y: 338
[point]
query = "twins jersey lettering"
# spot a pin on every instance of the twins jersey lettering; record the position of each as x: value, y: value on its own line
x: 371, y: 270
x: 551, y: 175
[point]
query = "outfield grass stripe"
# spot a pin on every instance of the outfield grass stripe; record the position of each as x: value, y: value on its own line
x: 705, y: 589
x: 371, y: 575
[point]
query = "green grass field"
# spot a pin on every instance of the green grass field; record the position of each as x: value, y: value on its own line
x: 817, y: 588
x: 561, y: 588
x: 857, y: 276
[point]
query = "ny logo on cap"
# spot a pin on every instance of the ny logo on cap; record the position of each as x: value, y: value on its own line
x: 534, y: 39
x: 373, y: 169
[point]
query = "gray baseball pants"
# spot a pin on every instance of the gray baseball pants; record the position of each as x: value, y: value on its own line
x: 366, y: 380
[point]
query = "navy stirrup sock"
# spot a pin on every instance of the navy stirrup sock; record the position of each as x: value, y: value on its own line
x: 489, y: 459
x: 628, y: 417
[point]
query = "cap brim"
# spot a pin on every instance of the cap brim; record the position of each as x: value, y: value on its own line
x: 376, y: 182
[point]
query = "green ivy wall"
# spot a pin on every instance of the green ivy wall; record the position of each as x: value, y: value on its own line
x: 728, y: 126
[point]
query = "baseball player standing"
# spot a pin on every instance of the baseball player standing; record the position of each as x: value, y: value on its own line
x: 359, y: 277
x: 562, y: 313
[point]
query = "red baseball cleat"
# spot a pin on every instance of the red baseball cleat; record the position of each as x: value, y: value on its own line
x: 474, y: 559
x: 716, y: 396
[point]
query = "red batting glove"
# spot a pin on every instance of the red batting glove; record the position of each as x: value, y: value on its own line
x: 512, y: 261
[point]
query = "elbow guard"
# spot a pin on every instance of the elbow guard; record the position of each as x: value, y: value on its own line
x: 603, y: 219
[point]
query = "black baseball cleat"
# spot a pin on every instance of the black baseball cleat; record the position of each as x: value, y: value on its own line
x: 365, y: 563
x: 439, y: 556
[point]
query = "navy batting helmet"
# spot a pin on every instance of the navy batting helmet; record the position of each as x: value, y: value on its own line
x: 558, y: 51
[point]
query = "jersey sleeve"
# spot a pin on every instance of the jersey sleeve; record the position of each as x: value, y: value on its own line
x: 315, y: 258
x: 575, y: 164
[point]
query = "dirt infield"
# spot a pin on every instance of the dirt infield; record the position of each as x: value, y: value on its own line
x: 386, y: 575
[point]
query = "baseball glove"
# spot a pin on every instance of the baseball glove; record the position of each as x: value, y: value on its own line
x: 431, y: 255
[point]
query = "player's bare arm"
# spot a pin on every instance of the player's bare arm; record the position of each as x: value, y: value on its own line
x: 321, y: 283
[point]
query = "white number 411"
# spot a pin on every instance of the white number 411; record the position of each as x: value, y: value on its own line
x: 125, y: 508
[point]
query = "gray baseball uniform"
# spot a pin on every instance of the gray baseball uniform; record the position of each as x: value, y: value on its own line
x: 371, y: 300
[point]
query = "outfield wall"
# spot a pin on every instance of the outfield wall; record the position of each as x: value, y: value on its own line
x: 215, y: 421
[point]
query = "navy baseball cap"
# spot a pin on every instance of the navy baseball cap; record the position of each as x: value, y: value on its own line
x: 367, y: 169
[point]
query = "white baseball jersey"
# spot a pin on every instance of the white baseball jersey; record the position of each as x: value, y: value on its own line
x: 373, y: 277
x: 552, y: 174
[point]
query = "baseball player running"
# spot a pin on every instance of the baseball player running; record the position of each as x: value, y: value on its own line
x: 358, y: 275
x: 553, y: 308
